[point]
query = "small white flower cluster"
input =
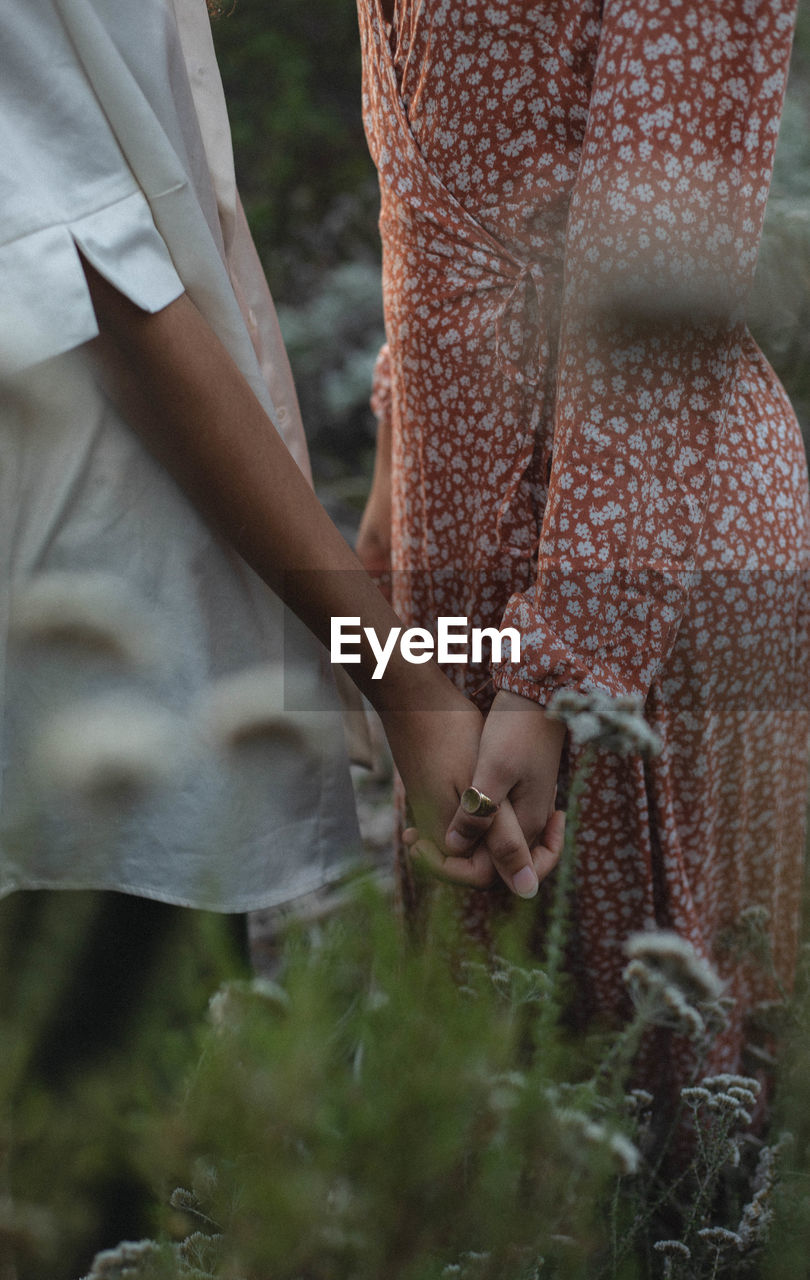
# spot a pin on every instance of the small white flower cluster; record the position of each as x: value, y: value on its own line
x: 505, y: 1089
x: 758, y: 1213
x: 730, y: 1096
x: 124, y: 742
x: 675, y: 1252
x: 130, y: 1260
x: 249, y: 706
x: 671, y: 985
x: 622, y: 1151
x: 93, y: 611
x: 617, y: 724
x: 730, y: 1099
x: 229, y: 1005
x: 111, y: 747
x: 719, y: 1237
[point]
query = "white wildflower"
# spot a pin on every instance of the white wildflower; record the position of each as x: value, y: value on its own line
x: 93, y: 612
x: 720, y: 1237
x: 661, y: 1003
x: 112, y: 746
x: 638, y: 1101
x: 729, y: 1107
x: 757, y: 1215
x: 675, y: 958
x: 695, y: 1095
x: 616, y: 724
x: 745, y: 1096
x: 727, y: 1080
x: 623, y: 1153
x: 228, y: 1005
x: 673, y: 1249
x: 505, y: 1089
x: 129, y: 1260
x: 250, y: 706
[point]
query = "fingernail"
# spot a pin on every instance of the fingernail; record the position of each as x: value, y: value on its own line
x: 525, y: 883
x: 457, y: 843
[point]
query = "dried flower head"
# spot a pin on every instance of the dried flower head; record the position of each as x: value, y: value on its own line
x: 720, y: 1237
x: 229, y: 1005
x: 250, y: 706
x: 130, y: 1260
x: 623, y: 1153
x: 676, y: 961
x: 660, y: 1003
x: 673, y: 1249
x: 617, y: 724
x: 113, y: 747
x: 91, y: 613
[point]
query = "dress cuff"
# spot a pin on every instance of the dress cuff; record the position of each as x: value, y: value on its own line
x: 46, y: 308
x: 560, y: 650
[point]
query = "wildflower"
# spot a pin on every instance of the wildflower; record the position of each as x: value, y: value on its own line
x: 617, y: 724
x: 229, y: 1005
x: 623, y: 1153
x: 757, y: 1215
x: 729, y: 1108
x: 93, y: 612
x: 672, y: 956
x: 112, y: 747
x: 661, y: 1003
x: 250, y: 706
x: 128, y: 1261
x: 505, y: 1089
x: 728, y: 1080
x: 673, y: 1249
x: 694, y: 1095
x: 638, y: 1101
x: 200, y: 1252
x: 720, y: 1237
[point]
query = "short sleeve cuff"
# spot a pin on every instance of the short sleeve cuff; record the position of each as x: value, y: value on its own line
x: 46, y: 307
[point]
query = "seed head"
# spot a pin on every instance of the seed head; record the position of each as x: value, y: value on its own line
x: 617, y: 724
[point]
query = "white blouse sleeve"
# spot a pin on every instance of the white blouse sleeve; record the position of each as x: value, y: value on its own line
x: 64, y: 186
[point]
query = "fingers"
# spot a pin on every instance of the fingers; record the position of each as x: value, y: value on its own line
x: 546, y: 852
x: 507, y: 847
x: 475, y: 872
x: 478, y: 870
x: 502, y: 835
x: 466, y: 829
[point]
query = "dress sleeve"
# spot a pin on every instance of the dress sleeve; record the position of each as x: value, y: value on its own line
x: 662, y: 239
x: 64, y: 186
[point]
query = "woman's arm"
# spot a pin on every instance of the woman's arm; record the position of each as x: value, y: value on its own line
x: 177, y: 386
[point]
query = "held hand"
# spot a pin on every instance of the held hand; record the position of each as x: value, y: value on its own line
x: 435, y: 751
x: 517, y: 768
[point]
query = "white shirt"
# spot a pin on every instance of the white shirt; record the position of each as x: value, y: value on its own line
x: 115, y: 140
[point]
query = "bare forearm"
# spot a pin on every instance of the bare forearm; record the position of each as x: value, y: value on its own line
x: 179, y: 388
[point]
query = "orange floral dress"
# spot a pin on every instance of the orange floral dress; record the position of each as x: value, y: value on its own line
x: 587, y: 443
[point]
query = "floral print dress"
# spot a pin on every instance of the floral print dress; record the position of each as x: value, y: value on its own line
x: 587, y: 443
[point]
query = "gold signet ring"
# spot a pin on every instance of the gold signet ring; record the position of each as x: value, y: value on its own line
x: 476, y: 804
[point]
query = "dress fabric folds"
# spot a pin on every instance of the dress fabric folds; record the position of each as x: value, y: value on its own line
x: 587, y: 443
